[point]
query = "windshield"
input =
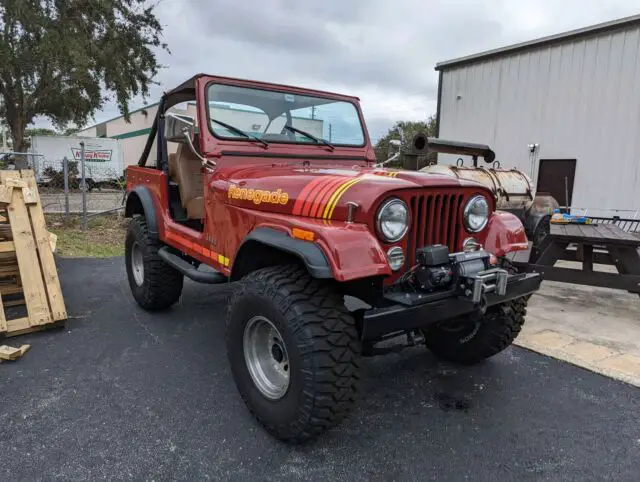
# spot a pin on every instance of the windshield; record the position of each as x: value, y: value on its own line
x: 282, y: 117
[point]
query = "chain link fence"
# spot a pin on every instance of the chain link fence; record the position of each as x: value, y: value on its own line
x: 83, y: 185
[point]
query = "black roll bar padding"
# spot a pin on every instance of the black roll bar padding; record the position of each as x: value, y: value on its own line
x: 421, y: 145
x: 152, y: 134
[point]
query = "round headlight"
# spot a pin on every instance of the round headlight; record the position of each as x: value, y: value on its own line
x: 476, y: 214
x: 392, y: 221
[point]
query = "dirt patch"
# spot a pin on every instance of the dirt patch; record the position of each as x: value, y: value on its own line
x: 103, y: 238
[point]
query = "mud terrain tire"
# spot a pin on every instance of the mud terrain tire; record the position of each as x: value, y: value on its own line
x: 320, y: 342
x: 156, y: 286
x: 481, y: 339
x: 478, y: 340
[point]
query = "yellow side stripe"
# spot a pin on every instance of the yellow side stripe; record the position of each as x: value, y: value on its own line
x: 338, y: 195
x: 327, y: 206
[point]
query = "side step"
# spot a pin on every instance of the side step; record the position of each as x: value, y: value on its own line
x: 189, y: 270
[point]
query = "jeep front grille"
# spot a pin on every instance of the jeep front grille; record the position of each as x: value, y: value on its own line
x: 435, y: 220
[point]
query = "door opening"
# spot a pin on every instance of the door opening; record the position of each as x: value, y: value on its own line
x: 556, y: 177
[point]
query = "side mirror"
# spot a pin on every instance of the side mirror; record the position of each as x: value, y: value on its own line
x: 175, y: 126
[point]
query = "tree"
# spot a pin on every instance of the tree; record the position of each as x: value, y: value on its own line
x: 39, y: 131
x: 64, y: 59
x: 36, y: 131
x: 404, y: 131
x: 70, y: 131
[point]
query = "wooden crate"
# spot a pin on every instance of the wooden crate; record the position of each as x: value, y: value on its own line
x: 28, y: 274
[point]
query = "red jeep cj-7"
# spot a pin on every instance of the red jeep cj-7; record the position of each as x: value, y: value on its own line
x: 276, y: 187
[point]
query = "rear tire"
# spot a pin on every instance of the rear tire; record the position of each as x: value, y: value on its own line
x: 154, y: 284
x: 477, y: 340
x: 469, y: 342
x: 312, y: 338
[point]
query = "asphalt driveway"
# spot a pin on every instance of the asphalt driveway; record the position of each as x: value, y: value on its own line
x: 122, y: 394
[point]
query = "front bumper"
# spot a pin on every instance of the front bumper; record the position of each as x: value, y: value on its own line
x: 401, y: 317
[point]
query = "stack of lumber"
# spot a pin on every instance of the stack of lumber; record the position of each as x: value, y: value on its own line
x: 28, y: 274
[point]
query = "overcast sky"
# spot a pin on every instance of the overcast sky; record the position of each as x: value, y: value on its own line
x: 383, y: 51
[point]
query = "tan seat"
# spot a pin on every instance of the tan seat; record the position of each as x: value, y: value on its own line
x: 186, y: 170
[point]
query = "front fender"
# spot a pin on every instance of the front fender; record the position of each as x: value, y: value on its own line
x: 350, y: 249
x: 504, y: 234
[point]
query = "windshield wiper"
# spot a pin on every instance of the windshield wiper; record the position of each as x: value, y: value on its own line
x: 239, y: 131
x: 319, y: 140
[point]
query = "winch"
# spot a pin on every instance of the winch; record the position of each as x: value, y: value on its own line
x: 466, y: 274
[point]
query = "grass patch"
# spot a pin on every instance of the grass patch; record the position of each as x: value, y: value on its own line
x: 103, y: 238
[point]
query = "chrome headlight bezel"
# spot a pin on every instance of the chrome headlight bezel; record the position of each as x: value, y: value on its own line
x: 395, y: 258
x: 384, y: 208
x: 476, y: 202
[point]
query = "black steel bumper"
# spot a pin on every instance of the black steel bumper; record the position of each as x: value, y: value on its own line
x: 404, y: 317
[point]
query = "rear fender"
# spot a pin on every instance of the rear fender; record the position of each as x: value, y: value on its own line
x: 533, y: 221
x: 504, y: 234
x: 140, y: 201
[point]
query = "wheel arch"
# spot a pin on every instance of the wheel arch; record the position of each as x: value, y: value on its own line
x: 140, y: 201
x: 534, y: 220
x: 265, y: 247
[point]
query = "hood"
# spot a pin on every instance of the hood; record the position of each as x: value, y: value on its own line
x: 324, y: 191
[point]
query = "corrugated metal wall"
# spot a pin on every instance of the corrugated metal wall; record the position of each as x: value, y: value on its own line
x: 577, y: 100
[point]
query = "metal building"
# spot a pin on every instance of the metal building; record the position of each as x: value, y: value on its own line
x: 565, y: 109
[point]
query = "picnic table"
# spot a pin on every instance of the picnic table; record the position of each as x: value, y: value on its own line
x: 589, y: 244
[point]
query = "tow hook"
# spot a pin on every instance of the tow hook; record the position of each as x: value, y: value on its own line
x: 413, y: 338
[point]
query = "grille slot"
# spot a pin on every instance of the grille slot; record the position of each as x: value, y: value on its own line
x: 435, y: 220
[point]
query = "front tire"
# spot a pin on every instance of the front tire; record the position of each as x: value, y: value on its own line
x: 154, y: 284
x: 306, y: 381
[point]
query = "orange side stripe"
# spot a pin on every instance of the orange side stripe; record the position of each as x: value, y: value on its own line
x: 313, y: 195
x: 321, y: 201
x: 179, y: 239
x: 197, y: 248
x: 297, y: 207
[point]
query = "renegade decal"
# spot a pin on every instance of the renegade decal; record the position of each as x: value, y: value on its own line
x: 331, y: 205
x: 258, y: 196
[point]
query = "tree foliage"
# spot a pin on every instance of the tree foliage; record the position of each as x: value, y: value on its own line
x: 64, y: 59
x: 404, y: 131
x: 39, y: 131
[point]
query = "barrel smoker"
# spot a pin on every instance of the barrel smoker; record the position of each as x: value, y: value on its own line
x: 513, y: 189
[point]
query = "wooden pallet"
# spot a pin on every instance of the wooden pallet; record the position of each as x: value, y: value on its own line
x: 28, y: 272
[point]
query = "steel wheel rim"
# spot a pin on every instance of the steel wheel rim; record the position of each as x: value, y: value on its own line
x: 137, y: 264
x: 266, y: 357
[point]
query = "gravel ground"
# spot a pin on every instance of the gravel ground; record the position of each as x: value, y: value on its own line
x: 121, y: 394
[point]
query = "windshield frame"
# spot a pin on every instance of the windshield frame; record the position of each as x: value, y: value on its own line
x: 328, y: 96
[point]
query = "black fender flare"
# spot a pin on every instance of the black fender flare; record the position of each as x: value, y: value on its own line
x: 140, y: 196
x: 309, y: 253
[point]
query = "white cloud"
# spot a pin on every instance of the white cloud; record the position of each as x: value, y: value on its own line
x: 380, y: 50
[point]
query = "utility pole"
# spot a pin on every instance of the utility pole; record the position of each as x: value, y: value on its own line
x: 330, y: 129
x: 313, y: 111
